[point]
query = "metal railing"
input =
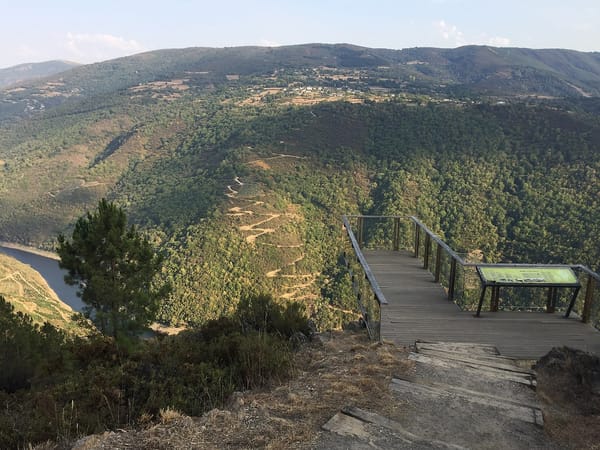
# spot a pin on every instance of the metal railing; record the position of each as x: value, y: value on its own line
x: 367, y: 290
x: 449, y: 268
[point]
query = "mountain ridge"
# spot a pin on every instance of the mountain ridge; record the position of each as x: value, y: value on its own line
x: 466, y: 66
x: 27, y: 72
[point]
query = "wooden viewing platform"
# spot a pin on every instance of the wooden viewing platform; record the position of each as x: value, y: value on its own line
x: 418, y: 309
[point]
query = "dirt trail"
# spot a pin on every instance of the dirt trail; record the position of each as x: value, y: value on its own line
x: 254, y: 230
x: 251, y: 239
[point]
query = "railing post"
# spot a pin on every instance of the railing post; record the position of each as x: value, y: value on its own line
x: 427, y: 251
x: 452, y: 280
x: 359, y: 225
x: 417, y: 239
x: 589, y: 298
x: 396, y: 234
x: 438, y: 261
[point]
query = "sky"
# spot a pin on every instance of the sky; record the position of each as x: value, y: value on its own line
x: 96, y: 30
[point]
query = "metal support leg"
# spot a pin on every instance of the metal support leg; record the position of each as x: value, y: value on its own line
x: 551, y: 302
x: 495, y: 299
x: 483, y: 288
x: 573, y: 304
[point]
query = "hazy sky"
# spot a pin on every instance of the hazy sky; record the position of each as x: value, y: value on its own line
x: 89, y: 31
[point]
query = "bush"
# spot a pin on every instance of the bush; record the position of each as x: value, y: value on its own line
x: 261, y: 313
x: 83, y: 386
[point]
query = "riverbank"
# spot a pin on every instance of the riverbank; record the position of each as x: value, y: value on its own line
x: 46, y: 264
x: 32, y: 250
x: 29, y: 292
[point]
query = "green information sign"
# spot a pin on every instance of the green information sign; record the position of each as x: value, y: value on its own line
x: 528, y: 275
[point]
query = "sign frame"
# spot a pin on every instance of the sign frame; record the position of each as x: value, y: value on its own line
x: 509, y: 275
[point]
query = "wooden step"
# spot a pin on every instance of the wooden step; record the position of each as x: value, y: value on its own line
x: 459, y: 347
x: 474, y: 369
x: 483, y: 361
x: 512, y: 410
x: 353, y: 421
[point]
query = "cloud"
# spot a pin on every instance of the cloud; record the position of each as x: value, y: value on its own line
x: 268, y: 43
x: 498, y: 41
x: 87, y: 47
x: 450, y: 33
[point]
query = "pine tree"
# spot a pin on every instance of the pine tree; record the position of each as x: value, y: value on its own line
x: 114, y: 267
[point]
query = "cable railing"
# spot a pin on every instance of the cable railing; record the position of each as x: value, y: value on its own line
x: 457, y: 275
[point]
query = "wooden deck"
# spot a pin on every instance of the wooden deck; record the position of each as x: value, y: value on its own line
x: 418, y: 309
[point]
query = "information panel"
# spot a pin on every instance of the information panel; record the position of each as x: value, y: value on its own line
x: 528, y: 275
x: 553, y: 278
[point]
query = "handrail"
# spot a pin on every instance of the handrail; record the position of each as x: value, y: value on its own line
x: 363, y: 262
x: 441, y: 243
x: 587, y: 270
x: 464, y: 263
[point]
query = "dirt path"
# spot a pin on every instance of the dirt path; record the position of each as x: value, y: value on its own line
x: 251, y: 239
x: 255, y: 229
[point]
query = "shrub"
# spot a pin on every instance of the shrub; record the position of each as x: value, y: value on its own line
x: 261, y: 313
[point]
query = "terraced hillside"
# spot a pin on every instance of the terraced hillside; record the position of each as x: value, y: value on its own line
x: 30, y: 294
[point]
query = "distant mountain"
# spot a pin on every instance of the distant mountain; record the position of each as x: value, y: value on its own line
x: 484, y: 69
x: 467, y: 72
x: 29, y: 71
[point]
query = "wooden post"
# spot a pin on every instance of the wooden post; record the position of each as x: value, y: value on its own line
x: 397, y: 233
x: 589, y: 298
x: 417, y: 240
x: 551, y: 302
x: 495, y: 300
x: 438, y: 263
x: 452, y: 280
x: 359, y: 226
x: 427, y: 251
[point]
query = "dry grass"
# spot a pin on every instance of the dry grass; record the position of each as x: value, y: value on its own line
x: 344, y: 369
x: 571, y: 405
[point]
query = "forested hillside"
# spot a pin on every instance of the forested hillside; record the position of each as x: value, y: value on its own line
x: 240, y: 162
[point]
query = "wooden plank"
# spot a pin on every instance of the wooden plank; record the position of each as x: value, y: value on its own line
x: 494, y: 363
x: 470, y: 347
x: 346, y: 425
x: 396, y: 427
x: 467, y: 392
x: 518, y: 412
x: 474, y: 369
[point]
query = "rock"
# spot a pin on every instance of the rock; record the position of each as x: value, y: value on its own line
x: 92, y: 442
x: 298, y: 338
x: 236, y: 401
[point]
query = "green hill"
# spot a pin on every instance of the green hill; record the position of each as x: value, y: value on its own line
x: 32, y: 71
x: 239, y: 162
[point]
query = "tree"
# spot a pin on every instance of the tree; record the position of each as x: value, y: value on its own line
x: 114, y: 267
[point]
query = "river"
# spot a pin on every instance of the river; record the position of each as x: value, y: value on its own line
x: 54, y: 275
